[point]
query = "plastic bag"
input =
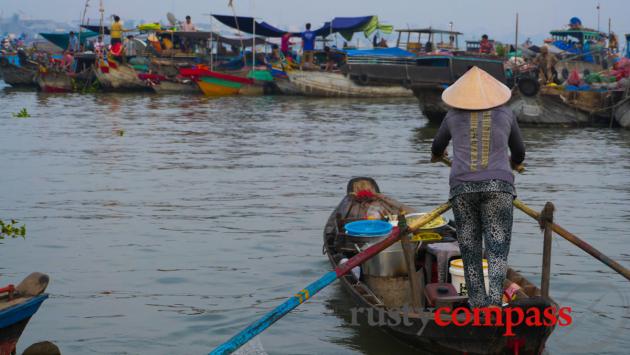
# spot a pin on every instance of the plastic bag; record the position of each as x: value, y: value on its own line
x: 574, y: 78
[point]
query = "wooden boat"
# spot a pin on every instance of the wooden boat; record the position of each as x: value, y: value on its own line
x: 164, y: 85
x: 22, y: 75
x: 56, y: 79
x: 335, y: 84
x: 384, y: 295
x: 114, y: 76
x: 557, y: 105
x: 217, y: 84
x: 176, y: 87
x: 17, y: 306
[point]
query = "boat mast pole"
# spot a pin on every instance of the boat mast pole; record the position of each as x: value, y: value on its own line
x: 87, y: 2
x: 516, y: 40
x: 211, y: 43
x: 254, y: 39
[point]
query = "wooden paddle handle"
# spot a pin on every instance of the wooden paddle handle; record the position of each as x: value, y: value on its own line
x: 576, y: 241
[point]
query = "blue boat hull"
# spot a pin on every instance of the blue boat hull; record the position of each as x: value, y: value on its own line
x: 14, y: 319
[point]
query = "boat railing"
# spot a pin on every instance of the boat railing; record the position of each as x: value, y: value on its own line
x: 381, y: 60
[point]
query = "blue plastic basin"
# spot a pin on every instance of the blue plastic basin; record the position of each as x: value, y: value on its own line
x: 368, y: 228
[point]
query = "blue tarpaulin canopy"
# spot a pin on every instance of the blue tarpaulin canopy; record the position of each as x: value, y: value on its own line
x: 61, y: 39
x: 344, y: 25
x: 246, y: 24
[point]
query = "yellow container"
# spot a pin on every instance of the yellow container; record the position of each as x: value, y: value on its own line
x: 457, y: 275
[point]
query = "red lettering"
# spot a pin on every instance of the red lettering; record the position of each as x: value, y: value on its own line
x: 467, y: 316
x: 533, y: 317
x: 509, y: 321
x: 438, y: 318
x: 487, y: 312
x: 565, y: 315
x: 550, y: 316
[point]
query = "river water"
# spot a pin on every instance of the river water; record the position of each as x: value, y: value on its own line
x: 169, y: 223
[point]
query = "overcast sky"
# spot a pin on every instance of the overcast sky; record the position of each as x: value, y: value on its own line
x: 473, y: 17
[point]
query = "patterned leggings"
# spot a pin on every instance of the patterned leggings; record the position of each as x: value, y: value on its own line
x: 487, y: 216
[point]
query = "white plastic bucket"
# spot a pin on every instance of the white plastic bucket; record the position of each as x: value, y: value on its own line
x: 457, y: 275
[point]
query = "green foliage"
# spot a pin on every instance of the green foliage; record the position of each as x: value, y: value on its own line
x: 22, y: 113
x: 11, y: 229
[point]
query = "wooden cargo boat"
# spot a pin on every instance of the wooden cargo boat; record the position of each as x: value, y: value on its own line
x: 22, y: 75
x: 17, y: 306
x: 57, y: 79
x: 334, y: 84
x: 384, y: 295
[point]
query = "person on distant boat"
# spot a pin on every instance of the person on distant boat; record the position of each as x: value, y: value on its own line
x: 428, y: 47
x: 330, y: 59
x: 481, y: 181
x: 382, y: 43
x: 308, y: 46
x: 613, y: 43
x: 188, y: 26
x: 73, y: 42
x: 485, y: 46
x: 285, y: 44
x: 116, y: 31
x: 546, y: 63
x: 129, y: 48
x: 99, y: 45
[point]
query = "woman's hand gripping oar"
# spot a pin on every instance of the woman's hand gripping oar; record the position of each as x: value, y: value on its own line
x: 268, y: 319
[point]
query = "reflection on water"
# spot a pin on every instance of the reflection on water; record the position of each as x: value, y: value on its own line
x: 206, y: 213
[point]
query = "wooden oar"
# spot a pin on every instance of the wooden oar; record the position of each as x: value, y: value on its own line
x: 566, y: 234
x: 309, y: 291
x: 576, y: 241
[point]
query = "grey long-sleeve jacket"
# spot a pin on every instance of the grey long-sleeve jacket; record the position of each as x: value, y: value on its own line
x: 480, y: 144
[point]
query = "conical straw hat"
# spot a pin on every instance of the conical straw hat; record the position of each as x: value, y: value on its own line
x: 476, y: 90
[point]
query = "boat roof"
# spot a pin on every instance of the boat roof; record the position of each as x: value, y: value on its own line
x: 430, y: 30
x: 337, y: 24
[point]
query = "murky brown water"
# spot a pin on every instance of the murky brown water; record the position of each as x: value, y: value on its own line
x: 207, y: 213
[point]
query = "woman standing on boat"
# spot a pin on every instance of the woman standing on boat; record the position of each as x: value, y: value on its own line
x: 481, y: 179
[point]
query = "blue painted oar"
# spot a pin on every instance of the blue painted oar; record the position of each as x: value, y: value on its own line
x: 268, y: 319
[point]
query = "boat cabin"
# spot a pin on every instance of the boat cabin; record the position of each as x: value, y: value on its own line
x: 426, y: 40
x: 475, y: 46
x: 580, y: 41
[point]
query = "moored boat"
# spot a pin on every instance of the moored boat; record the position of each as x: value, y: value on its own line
x: 17, y: 306
x: 18, y: 71
x: 381, y: 289
x: 336, y: 84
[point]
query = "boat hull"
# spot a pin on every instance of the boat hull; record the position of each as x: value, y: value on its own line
x: 54, y: 82
x: 18, y: 76
x: 172, y: 87
x: 326, y: 84
x: 216, y: 87
x: 14, y: 319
